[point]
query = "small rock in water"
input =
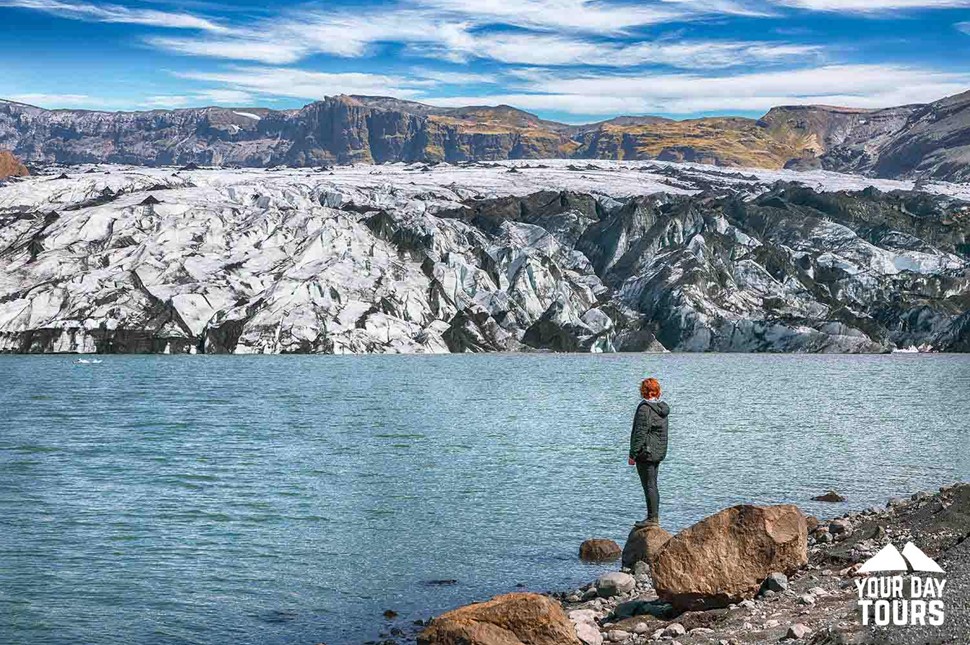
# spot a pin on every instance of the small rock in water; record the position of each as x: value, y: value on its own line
x: 390, y: 614
x: 615, y: 584
x: 797, y: 632
x: 599, y: 550
x: 830, y: 496
x: 442, y: 582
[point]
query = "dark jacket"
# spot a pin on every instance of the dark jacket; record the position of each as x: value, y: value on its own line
x: 648, y: 440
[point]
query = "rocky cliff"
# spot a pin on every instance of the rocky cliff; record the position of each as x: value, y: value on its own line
x: 928, y: 141
x: 477, y: 258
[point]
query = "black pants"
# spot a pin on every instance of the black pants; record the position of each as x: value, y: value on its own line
x: 648, y: 479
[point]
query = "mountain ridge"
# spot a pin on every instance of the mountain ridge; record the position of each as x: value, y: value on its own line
x: 912, y: 141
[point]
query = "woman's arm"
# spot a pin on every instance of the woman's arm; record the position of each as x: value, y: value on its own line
x: 641, y: 427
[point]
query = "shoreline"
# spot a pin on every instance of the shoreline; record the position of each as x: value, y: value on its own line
x: 817, y: 604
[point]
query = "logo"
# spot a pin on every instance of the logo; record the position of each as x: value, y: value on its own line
x: 903, y: 598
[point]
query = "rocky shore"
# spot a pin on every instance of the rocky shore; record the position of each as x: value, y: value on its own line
x: 744, y: 575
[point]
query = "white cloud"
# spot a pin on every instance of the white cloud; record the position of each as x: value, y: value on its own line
x: 262, y: 51
x: 872, y: 6
x: 577, y: 15
x: 454, y: 78
x: 117, y: 14
x: 280, y: 81
x: 205, y: 97
x: 228, y: 97
x: 863, y: 86
x: 53, y: 100
x: 548, y: 49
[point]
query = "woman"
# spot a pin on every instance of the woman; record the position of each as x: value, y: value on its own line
x: 648, y: 444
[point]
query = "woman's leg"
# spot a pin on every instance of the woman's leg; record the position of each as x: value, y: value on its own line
x: 648, y: 479
x: 653, y: 495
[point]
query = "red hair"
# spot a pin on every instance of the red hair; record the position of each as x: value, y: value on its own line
x: 650, y: 388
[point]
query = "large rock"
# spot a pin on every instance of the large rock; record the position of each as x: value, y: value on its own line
x: 511, y: 619
x: 724, y: 558
x: 643, y: 543
x: 599, y: 550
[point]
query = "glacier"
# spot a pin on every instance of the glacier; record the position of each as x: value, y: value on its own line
x: 538, y: 255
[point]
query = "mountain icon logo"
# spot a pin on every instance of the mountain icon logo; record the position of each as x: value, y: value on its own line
x: 890, y: 559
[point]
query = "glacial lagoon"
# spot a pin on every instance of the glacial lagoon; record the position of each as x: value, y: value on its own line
x: 294, y: 499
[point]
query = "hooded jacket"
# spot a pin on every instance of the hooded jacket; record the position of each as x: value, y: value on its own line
x: 648, y: 440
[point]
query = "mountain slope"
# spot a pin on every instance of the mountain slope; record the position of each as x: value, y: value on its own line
x: 930, y: 141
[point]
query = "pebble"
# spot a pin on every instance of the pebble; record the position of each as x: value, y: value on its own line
x: 776, y: 582
x: 618, y: 636
x: 798, y: 631
x: 818, y: 592
x: 589, y: 634
x: 772, y: 623
x: 747, y: 604
x: 615, y: 584
x: 583, y: 616
x: 838, y: 527
x: 673, y: 630
x: 806, y: 599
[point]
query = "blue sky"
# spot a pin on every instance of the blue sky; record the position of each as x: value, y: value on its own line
x: 569, y: 60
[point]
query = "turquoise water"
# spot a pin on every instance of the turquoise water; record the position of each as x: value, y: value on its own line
x: 206, y: 499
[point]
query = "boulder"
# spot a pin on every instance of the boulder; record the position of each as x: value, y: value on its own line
x: 510, y: 619
x: 10, y: 166
x: 615, y: 584
x: 643, y: 543
x: 599, y: 550
x: 724, y: 558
